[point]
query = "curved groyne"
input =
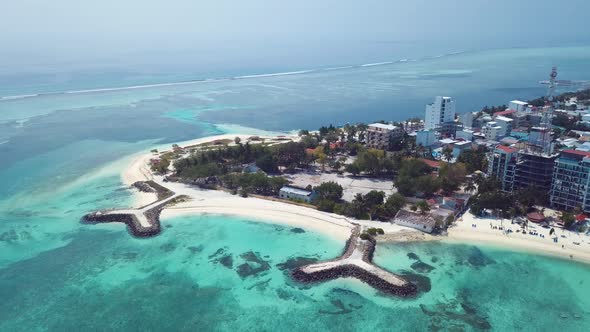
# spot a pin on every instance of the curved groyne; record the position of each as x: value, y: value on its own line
x: 356, y: 262
x: 142, y: 222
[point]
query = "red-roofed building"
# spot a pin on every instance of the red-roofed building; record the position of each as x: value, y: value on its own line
x: 507, y: 113
x: 579, y: 153
x: 506, y: 149
x: 536, y: 217
x: 432, y: 163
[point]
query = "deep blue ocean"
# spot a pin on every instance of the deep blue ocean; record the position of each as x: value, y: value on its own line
x: 63, y: 147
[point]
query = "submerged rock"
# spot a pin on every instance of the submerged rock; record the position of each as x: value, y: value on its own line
x: 296, y: 262
x: 227, y: 261
x: 196, y: 250
x: 253, y: 265
x: 422, y: 267
x: 478, y: 259
x: 413, y: 256
x: 219, y: 251
x: 338, y: 304
x: 168, y: 247
x: 297, y: 230
x: 422, y: 282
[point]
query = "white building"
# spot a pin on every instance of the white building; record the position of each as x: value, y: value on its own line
x: 460, y: 147
x: 491, y: 131
x: 288, y: 192
x: 380, y: 135
x: 426, y: 138
x: 467, y: 119
x: 517, y: 105
x: 506, y: 124
x: 424, y: 223
x: 465, y: 134
x: 441, y: 111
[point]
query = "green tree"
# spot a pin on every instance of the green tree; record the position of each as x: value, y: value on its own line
x: 447, y: 153
x: 423, y: 206
x: 353, y: 168
x: 452, y: 176
x: 568, y: 219
x: 393, y: 204
x: 329, y: 191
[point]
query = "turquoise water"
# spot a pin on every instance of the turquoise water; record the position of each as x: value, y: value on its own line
x: 216, y: 273
x: 57, y: 154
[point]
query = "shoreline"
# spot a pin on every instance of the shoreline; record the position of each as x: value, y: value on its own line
x: 339, y: 227
x: 463, y: 233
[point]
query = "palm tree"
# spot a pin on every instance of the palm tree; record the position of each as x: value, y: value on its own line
x: 447, y: 154
x: 470, y: 186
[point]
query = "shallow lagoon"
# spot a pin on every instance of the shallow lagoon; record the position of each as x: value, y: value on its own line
x: 226, y: 273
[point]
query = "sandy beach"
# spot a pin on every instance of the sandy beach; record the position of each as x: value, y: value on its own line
x: 336, y: 226
x: 484, y: 233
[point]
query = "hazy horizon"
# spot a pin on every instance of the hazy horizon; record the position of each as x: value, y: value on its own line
x: 42, y: 36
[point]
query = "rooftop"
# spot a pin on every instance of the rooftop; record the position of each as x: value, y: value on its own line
x: 505, y: 112
x: 503, y: 118
x: 448, y: 141
x: 431, y: 163
x: 506, y: 149
x: 383, y: 126
x: 297, y: 191
x: 578, y: 154
x: 415, y: 218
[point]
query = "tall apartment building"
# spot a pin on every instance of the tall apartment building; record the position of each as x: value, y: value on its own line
x: 441, y: 111
x: 502, y: 165
x: 381, y: 136
x: 571, y: 181
x: 517, y: 105
x: 534, y: 169
x: 520, y: 169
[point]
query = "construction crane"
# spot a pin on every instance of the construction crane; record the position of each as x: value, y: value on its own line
x: 552, y: 84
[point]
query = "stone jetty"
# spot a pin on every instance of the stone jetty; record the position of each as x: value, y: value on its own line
x: 356, y: 262
x: 142, y: 222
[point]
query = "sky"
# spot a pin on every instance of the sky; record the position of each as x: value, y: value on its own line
x: 36, y: 33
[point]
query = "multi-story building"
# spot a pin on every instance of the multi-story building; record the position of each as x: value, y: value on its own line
x: 467, y: 119
x: 517, y: 105
x: 441, y: 111
x: 425, y: 138
x: 461, y: 146
x: 465, y: 134
x: 534, y: 170
x: 506, y: 125
x: 571, y: 181
x: 502, y: 165
x: 491, y: 131
x: 382, y: 136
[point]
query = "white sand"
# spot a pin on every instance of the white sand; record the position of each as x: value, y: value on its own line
x: 139, y: 169
x: 217, y: 202
x: 484, y: 234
